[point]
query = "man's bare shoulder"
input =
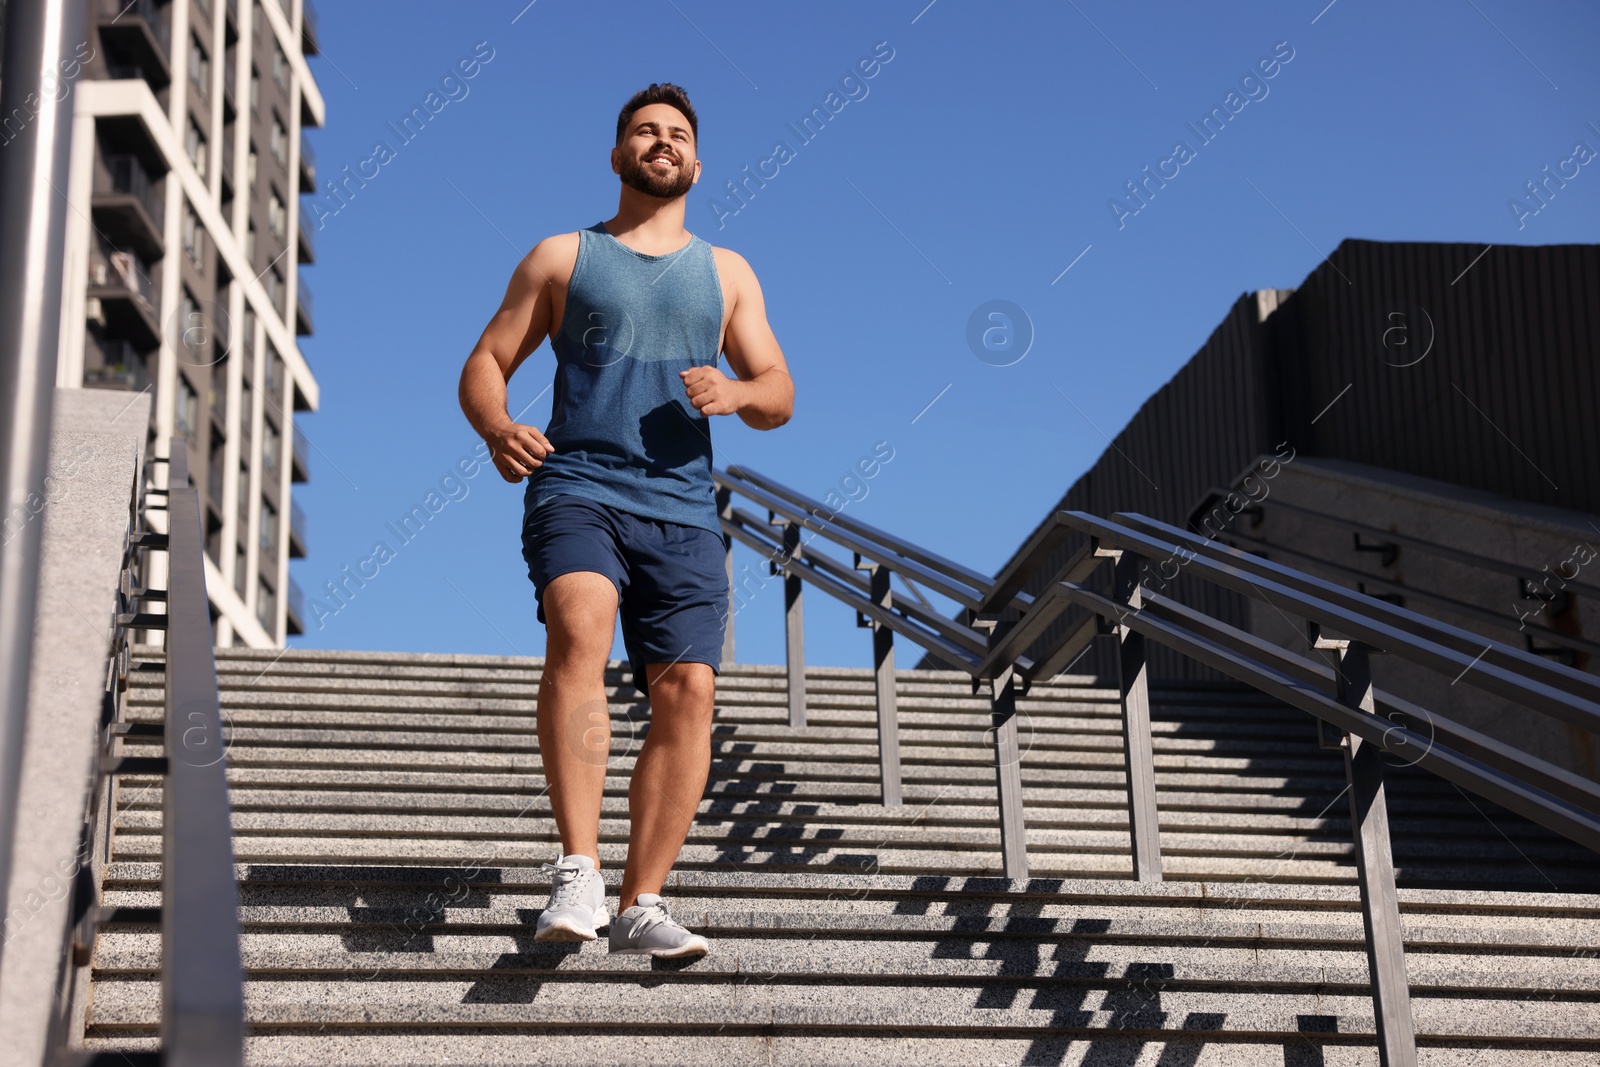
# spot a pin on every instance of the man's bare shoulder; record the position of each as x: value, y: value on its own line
x: 732, y: 265
x: 554, y: 257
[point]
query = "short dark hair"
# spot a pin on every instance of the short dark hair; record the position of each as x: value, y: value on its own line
x: 659, y: 93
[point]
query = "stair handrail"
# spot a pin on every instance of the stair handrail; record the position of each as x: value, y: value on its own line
x: 202, y: 974
x: 1367, y: 724
x: 1394, y: 540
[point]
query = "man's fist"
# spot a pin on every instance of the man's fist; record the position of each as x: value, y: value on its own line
x: 517, y: 450
x: 712, y: 392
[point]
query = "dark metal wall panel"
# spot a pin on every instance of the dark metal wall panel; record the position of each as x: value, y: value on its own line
x: 1503, y: 401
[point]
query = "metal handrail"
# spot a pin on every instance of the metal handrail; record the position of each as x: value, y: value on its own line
x: 1368, y: 724
x: 202, y: 974
x: 934, y: 571
x: 1564, y: 802
x: 1421, y: 544
x: 1498, y: 654
x: 1377, y: 623
x: 202, y: 983
x: 1397, y: 540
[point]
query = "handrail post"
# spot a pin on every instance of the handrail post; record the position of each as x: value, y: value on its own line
x: 1369, y: 824
x: 883, y: 677
x: 1144, y: 822
x: 794, y: 631
x: 725, y: 513
x: 1007, y: 751
x: 1008, y: 772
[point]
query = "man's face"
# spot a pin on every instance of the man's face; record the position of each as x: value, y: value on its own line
x: 657, y: 154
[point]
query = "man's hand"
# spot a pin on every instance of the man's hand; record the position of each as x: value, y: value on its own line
x: 517, y: 450
x: 711, y: 391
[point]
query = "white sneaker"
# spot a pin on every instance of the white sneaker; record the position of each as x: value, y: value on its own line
x: 577, y: 902
x: 647, y: 930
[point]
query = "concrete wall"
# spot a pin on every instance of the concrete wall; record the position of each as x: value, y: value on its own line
x: 1535, y: 539
x: 95, y: 454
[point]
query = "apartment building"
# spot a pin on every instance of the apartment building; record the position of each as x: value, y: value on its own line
x: 184, y: 267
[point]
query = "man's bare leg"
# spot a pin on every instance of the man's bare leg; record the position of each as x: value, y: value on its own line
x: 580, y: 610
x: 669, y: 777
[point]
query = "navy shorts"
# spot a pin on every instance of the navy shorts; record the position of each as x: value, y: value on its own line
x: 672, y: 580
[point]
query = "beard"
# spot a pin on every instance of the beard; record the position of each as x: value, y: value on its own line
x: 668, y: 184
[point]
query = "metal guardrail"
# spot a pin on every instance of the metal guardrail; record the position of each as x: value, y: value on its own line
x: 202, y: 976
x: 149, y: 10
x: 1000, y: 622
x: 1390, y: 544
x: 126, y: 174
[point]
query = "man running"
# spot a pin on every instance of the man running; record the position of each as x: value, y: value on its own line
x: 620, y: 507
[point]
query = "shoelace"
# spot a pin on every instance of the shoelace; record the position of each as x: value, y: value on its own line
x: 564, y: 883
x: 653, y: 917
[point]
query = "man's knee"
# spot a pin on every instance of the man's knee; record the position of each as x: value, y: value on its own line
x: 684, y: 691
x: 580, y: 610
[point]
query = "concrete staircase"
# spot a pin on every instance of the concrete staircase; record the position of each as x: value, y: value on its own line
x: 390, y: 821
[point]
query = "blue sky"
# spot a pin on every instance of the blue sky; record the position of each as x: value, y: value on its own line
x: 977, y: 164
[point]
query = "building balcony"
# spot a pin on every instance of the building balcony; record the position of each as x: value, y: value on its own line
x: 230, y: 108
x: 136, y: 40
x: 302, y: 310
x: 300, y: 455
x: 308, y: 29
x: 128, y: 209
x: 122, y: 297
x: 297, y: 530
x: 297, y: 608
x: 308, y: 167
x: 306, y: 247
x: 120, y: 366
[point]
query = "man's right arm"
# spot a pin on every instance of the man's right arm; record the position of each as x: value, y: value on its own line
x: 515, y: 331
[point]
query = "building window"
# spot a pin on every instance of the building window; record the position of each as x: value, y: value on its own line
x: 267, y: 608
x: 241, y: 572
x: 255, y: 89
x: 280, y: 140
x: 195, y: 145
x: 199, y: 66
x: 280, y: 67
x: 250, y: 166
x: 274, y: 284
x: 271, y: 443
x: 249, y: 338
x: 277, y: 216
x: 247, y: 414
x: 194, y: 237
x: 214, y: 493
x: 274, y: 374
x: 188, y: 413
x: 269, y: 531
x: 244, y: 508
x: 250, y: 243
x: 219, y: 389
x: 194, y: 332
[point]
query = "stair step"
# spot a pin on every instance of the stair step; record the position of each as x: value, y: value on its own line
x: 677, y: 1000
x: 390, y: 826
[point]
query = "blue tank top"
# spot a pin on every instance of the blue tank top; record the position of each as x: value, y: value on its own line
x: 624, y: 431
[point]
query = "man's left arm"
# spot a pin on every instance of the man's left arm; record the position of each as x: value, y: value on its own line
x: 763, y: 394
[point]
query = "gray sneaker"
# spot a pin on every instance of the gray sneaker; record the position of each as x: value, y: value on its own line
x: 577, y: 902
x: 647, y: 930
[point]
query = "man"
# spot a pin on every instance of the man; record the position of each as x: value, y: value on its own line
x: 620, y: 507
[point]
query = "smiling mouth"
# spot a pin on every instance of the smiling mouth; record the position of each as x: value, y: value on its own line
x: 655, y: 161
